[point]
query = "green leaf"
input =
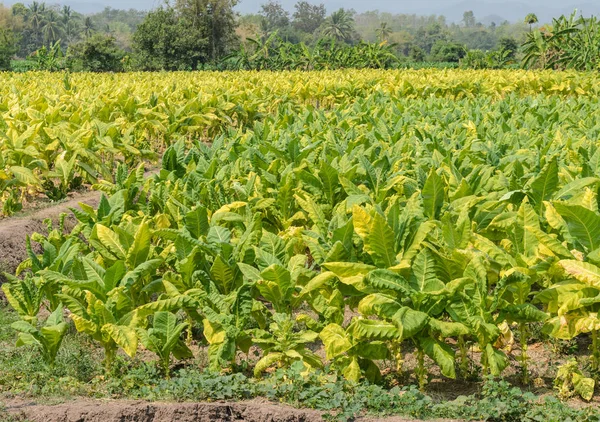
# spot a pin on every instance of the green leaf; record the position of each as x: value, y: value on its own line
x: 140, y: 249
x: 380, y: 305
x: 497, y: 360
x: 388, y: 280
x: 335, y: 340
x: 218, y: 234
x: 582, y: 271
x: 196, y: 221
x: 378, y: 237
x: 409, y: 321
x: 441, y: 353
x: 433, y: 195
x: 369, y: 329
x: 525, y: 312
x: 545, y: 184
x: 281, y: 277
x: 583, y: 224
x: 447, y: 328
x: 125, y: 337
x: 424, y: 278
x: 111, y: 241
x: 223, y: 274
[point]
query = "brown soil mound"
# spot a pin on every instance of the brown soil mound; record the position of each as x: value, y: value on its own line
x: 91, y: 411
x: 14, y: 231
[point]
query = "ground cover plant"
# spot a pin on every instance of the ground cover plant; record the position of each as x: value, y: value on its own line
x: 367, y: 217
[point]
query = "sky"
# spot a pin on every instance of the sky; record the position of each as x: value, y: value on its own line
x: 512, y: 10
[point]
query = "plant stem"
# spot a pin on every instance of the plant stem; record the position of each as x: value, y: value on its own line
x: 109, y: 357
x: 397, y: 352
x: 524, y: 333
x: 595, y: 351
x: 484, y: 361
x: 420, y: 370
x: 464, y: 361
x: 188, y: 339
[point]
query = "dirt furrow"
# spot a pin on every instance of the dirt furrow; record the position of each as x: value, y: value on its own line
x: 14, y: 230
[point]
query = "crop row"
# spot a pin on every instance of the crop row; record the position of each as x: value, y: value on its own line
x: 59, y: 132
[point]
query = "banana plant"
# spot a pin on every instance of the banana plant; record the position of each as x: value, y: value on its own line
x: 164, y: 339
x: 47, y: 338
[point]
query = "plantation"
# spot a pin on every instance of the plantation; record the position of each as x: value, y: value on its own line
x: 341, y: 233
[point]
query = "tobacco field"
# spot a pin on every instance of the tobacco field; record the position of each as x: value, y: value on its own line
x: 336, y: 219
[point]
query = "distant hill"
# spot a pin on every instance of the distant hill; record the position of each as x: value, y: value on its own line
x: 485, y: 11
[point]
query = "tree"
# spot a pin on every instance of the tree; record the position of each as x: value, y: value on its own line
x: 69, y: 24
x: 88, y: 27
x: 35, y: 15
x: 426, y: 37
x: 444, y: 51
x: 98, y: 53
x: 469, y: 19
x: 530, y: 20
x: 383, y: 32
x: 339, y: 25
x: 274, y: 16
x: 166, y: 41
x: 308, y: 17
x: 10, y: 25
x: 211, y: 20
x: 52, y: 27
x: 509, y: 45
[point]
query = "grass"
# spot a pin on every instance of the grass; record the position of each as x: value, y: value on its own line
x: 79, y: 373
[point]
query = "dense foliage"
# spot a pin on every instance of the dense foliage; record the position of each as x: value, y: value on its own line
x: 370, y: 213
x: 44, y: 152
x: 200, y: 34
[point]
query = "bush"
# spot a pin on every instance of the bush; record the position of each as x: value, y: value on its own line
x: 98, y: 53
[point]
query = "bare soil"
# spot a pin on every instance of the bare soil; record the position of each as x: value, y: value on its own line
x: 138, y: 411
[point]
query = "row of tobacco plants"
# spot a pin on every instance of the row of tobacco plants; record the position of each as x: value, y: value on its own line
x: 62, y: 132
x: 437, y: 226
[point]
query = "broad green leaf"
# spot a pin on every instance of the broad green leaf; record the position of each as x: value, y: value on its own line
x: 335, y: 340
x: 583, y: 224
x: 441, y: 353
x: 433, y: 194
x: 378, y: 237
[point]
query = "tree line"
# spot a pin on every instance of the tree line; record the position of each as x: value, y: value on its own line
x: 209, y: 34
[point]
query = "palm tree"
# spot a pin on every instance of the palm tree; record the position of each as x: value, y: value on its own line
x: 88, y: 27
x: 36, y: 13
x: 51, y: 27
x: 383, y: 32
x: 69, y: 23
x: 531, y: 19
x: 339, y: 25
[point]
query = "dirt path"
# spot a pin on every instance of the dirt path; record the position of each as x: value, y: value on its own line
x: 120, y: 411
x: 14, y: 230
x: 258, y: 410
